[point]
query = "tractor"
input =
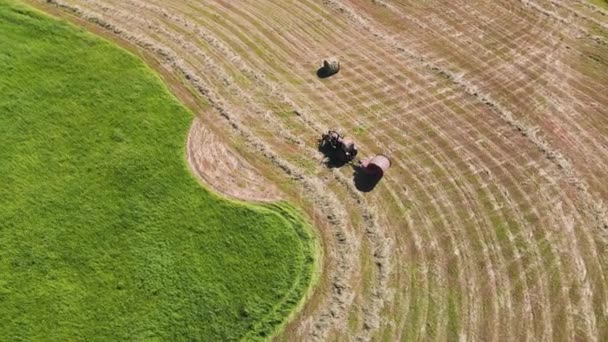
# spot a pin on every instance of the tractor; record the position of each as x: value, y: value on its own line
x: 337, y: 148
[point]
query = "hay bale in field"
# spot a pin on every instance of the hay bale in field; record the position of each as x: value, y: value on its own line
x: 331, y: 66
x: 370, y: 171
x: 376, y: 165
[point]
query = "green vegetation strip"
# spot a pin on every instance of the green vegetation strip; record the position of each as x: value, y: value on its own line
x: 104, y: 233
x: 600, y: 3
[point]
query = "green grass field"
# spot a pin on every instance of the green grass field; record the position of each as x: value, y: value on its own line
x: 104, y: 233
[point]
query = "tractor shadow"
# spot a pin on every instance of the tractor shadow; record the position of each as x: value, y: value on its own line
x: 364, y: 182
x: 331, y: 157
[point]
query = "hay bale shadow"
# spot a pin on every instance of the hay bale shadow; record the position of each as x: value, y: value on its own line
x: 324, y: 72
x: 364, y: 182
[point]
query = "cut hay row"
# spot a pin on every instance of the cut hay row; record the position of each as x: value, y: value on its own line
x: 481, y: 230
x: 598, y: 135
x: 517, y: 101
x: 599, y: 301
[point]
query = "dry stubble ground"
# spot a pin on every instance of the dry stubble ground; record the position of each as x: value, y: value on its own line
x: 491, y: 223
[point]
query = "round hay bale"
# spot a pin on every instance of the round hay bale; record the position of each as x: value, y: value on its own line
x: 376, y: 165
x: 331, y: 66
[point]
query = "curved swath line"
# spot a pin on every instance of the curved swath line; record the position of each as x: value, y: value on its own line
x: 537, y: 6
x: 556, y: 17
x: 213, y: 50
x: 561, y: 94
x: 188, y: 47
x: 520, y: 220
x: 216, y: 49
x: 233, y: 57
x: 405, y: 167
x: 573, y: 123
x: 471, y: 9
x: 523, y: 225
x: 243, y: 36
x: 419, y: 249
x: 445, y: 211
x: 578, y: 14
x: 159, y: 31
x: 468, y: 10
x: 459, y: 223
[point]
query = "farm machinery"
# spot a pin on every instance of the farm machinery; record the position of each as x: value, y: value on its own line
x: 337, y: 148
x: 343, y: 150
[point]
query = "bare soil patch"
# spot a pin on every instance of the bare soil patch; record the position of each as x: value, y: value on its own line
x: 223, y: 169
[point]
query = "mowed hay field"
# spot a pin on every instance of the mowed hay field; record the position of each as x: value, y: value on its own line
x: 104, y: 232
x: 492, y: 222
